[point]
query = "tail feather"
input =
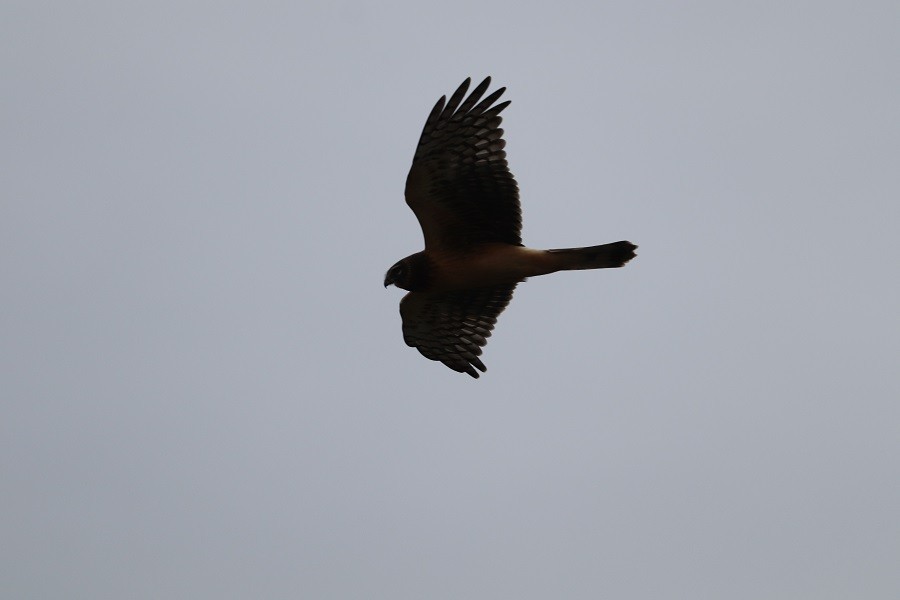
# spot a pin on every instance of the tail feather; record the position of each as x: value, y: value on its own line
x: 605, y: 256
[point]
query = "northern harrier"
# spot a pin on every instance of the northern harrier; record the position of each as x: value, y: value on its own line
x: 467, y: 203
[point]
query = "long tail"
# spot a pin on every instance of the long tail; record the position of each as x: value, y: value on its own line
x: 605, y: 256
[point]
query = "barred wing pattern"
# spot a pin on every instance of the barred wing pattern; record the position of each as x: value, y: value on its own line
x: 459, y: 186
x: 452, y: 327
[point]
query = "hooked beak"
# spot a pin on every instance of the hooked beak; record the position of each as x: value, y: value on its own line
x: 388, y: 280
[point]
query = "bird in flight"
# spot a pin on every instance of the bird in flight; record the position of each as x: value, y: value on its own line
x: 467, y: 203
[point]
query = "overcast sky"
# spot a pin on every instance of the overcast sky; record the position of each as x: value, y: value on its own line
x: 205, y: 391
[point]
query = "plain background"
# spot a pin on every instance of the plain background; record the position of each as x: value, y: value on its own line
x: 205, y: 393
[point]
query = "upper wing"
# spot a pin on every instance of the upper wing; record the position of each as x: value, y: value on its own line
x: 453, y: 326
x: 459, y: 185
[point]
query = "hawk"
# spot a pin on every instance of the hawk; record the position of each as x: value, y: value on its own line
x: 467, y: 203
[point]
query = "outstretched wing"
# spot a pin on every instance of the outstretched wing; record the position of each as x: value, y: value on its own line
x: 459, y: 185
x: 452, y: 327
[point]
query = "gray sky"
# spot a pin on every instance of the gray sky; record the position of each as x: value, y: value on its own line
x: 204, y: 386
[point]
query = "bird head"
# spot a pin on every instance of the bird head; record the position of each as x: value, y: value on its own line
x: 412, y: 274
x: 397, y: 275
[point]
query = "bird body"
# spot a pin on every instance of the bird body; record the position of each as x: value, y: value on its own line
x: 484, y: 265
x: 467, y: 203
